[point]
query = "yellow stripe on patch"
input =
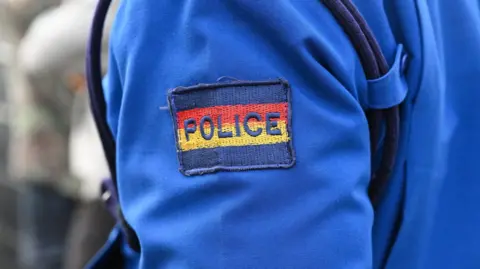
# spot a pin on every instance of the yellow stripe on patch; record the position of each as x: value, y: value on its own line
x: 196, y: 141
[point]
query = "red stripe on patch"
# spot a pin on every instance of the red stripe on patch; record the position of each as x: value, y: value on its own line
x: 228, y: 113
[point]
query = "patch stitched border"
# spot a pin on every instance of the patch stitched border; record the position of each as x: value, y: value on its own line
x: 232, y: 126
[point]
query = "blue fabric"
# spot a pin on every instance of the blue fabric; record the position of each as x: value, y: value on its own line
x: 438, y: 224
x: 391, y: 89
x: 250, y: 219
x: 315, y: 214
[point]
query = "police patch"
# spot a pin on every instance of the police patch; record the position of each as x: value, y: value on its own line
x: 234, y: 126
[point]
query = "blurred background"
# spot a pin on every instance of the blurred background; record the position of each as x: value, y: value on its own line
x: 51, y: 162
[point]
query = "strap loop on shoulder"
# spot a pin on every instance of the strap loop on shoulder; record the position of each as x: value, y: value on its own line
x: 389, y: 90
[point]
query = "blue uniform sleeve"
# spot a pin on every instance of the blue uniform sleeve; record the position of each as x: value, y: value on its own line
x: 267, y: 168
x: 112, y: 85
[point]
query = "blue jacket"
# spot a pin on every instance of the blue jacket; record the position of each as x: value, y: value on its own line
x: 269, y: 167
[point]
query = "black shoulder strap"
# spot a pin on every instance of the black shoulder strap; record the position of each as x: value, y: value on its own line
x: 99, y: 108
x: 375, y: 66
x: 362, y: 38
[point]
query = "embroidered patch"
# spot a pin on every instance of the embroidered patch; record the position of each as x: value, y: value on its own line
x: 232, y: 126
